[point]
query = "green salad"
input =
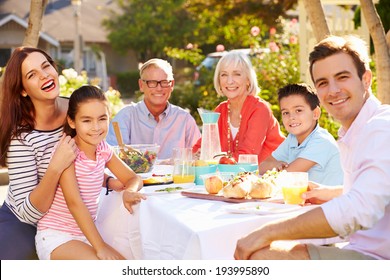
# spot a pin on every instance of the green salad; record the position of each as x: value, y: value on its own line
x: 139, y: 163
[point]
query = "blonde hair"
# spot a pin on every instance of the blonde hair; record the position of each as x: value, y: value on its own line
x: 237, y: 58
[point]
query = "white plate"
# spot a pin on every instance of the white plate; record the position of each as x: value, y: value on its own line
x: 261, y: 208
x: 163, y: 189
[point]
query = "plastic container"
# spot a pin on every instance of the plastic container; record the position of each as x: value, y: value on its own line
x: 201, y: 170
x: 237, y: 168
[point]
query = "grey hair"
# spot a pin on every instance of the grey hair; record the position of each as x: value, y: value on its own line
x: 158, y: 63
x: 237, y: 58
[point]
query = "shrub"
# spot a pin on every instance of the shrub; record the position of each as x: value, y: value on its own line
x: 70, y: 80
x: 127, y: 83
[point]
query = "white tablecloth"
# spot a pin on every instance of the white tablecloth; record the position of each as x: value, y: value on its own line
x: 176, y: 227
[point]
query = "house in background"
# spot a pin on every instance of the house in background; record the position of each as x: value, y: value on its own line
x: 60, y: 25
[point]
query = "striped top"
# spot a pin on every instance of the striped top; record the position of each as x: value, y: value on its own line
x: 27, y: 161
x: 90, y: 177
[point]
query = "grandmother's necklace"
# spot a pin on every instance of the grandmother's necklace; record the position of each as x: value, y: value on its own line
x: 229, y: 136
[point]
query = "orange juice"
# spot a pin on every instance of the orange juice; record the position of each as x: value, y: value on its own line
x: 292, y: 195
x: 180, y: 179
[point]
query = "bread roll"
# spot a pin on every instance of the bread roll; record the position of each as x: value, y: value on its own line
x: 261, y: 189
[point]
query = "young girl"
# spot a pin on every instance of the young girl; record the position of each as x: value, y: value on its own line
x: 68, y: 230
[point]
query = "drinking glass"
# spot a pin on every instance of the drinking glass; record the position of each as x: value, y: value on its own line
x: 183, y: 166
x: 293, y: 184
x: 246, y: 158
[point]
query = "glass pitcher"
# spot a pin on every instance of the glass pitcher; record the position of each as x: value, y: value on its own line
x: 211, y: 145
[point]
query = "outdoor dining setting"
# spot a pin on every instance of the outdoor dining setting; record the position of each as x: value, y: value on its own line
x: 194, y: 139
x: 199, y: 208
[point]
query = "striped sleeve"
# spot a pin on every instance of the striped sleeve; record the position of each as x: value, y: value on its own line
x: 27, y: 161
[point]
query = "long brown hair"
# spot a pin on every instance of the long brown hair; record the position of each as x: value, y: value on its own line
x: 17, y: 112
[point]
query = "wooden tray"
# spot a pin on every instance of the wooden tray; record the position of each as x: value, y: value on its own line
x: 207, y: 196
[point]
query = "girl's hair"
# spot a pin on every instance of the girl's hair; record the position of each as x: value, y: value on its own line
x: 304, y: 90
x: 79, y: 96
x: 237, y: 58
x: 352, y: 45
x: 17, y: 112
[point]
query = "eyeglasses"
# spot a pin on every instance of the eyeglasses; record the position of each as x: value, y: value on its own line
x: 153, y: 83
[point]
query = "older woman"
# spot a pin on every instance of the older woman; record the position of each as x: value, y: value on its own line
x: 246, y: 124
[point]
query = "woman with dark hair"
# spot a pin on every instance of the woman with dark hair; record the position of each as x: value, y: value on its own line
x: 31, y: 123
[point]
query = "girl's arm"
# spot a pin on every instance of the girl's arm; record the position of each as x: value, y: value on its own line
x: 133, y: 183
x: 69, y: 186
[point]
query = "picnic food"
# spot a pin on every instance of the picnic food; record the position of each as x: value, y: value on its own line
x: 140, y: 163
x: 170, y: 189
x: 261, y: 188
x: 264, y: 186
x: 158, y: 179
x: 248, y: 185
x: 213, y: 184
x: 239, y: 186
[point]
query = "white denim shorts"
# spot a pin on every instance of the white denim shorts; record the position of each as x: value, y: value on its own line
x: 49, y: 239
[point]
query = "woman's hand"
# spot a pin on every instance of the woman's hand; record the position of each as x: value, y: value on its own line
x: 131, y: 198
x: 64, y: 154
x: 318, y: 194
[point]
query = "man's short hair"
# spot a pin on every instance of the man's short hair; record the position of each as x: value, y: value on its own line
x: 350, y: 44
x: 157, y: 63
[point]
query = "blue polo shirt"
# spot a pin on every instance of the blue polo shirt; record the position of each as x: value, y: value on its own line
x: 319, y: 147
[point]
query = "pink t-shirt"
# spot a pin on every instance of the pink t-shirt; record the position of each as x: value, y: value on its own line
x: 90, y: 177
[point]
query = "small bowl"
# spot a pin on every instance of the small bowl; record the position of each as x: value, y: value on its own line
x: 143, y: 163
x: 201, y: 170
x: 237, y: 168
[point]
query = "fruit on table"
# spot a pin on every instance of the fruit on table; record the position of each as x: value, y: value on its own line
x: 213, y: 184
x: 227, y: 160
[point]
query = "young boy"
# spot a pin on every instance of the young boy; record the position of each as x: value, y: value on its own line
x: 308, y: 147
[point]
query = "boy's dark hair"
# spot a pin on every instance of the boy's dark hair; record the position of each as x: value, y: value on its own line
x: 303, y: 90
x: 79, y: 96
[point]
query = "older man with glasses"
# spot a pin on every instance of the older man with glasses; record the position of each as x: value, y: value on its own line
x: 154, y: 119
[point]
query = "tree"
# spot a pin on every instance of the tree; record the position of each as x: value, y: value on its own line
x: 316, y: 16
x: 382, y: 49
x: 37, y: 8
x: 151, y: 26
x: 148, y: 26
